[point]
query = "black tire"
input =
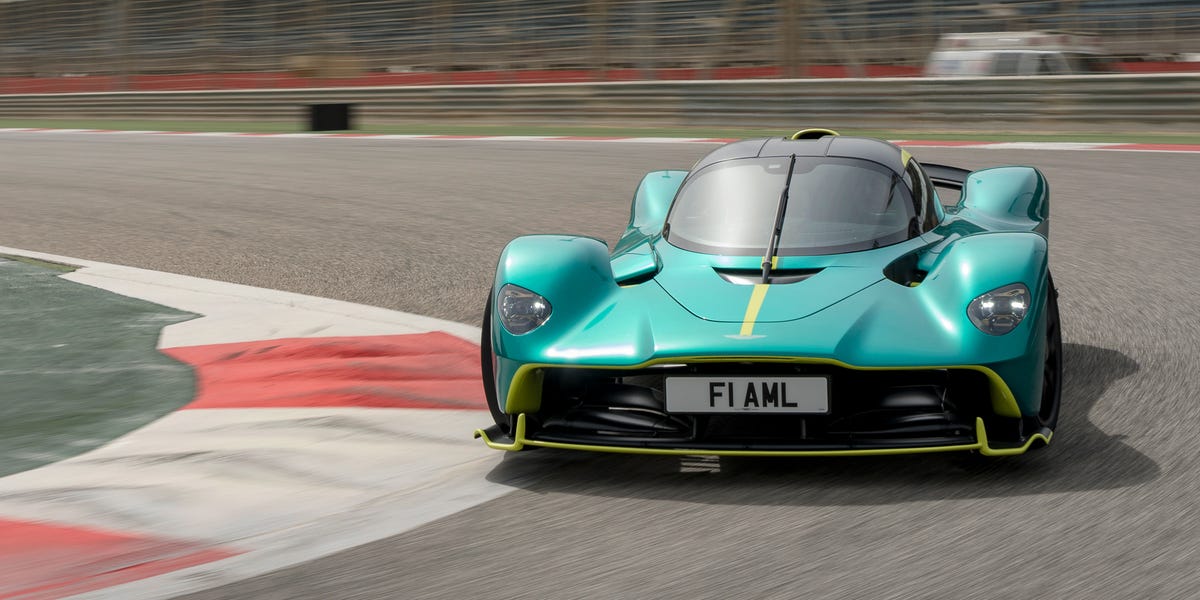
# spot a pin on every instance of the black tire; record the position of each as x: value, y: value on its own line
x: 1052, y: 369
x: 488, y: 371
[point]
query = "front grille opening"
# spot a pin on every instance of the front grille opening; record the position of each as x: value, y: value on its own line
x: 892, y: 408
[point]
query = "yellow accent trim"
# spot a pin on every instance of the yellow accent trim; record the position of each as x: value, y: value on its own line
x: 1004, y: 404
x: 527, y: 398
x: 812, y: 130
x: 980, y: 445
x: 756, y: 300
x: 518, y: 439
x: 905, y: 157
x: 774, y: 262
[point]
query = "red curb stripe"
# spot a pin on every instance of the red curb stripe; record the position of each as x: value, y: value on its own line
x: 954, y: 143
x: 1166, y: 147
x: 40, y: 561
x: 427, y: 370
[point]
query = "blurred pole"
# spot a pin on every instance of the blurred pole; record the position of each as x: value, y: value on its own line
x: 598, y: 26
x: 855, y: 43
x: 38, y: 52
x: 274, y: 46
x: 517, y: 43
x: 644, y: 39
x: 727, y: 36
x: 212, y: 40
x: 321, y: 44
x: 316, y: 16
x: 1072, y: 19
x: 929, y: 35
x: 6, y: 70
x: 443, y: 46
x: 792, y: 35
x: 123, y: 55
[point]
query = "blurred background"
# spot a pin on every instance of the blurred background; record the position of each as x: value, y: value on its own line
x: 49, y: 46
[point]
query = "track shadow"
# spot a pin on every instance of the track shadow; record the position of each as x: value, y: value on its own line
x: 1082, y: 457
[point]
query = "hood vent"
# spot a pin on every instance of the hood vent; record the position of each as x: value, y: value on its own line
x: 754, y: 276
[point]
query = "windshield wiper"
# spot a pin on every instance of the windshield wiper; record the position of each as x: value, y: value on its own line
x: 777, y: 230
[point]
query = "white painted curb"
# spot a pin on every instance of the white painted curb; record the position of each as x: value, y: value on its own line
x: 282, y: 486
x: 237, y: 313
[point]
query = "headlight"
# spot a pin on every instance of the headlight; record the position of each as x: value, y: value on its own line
x: 1000, y: 310
x: 521, y: 310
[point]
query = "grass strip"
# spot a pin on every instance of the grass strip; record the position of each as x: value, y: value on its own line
x: 53, y: 266
x: 1158, y: 137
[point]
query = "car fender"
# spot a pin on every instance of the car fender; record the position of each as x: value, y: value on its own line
x: 1007, y: 199
x: 976, y: 264
x: 571, y: 272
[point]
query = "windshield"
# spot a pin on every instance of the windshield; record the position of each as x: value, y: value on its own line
x: 836, y: 205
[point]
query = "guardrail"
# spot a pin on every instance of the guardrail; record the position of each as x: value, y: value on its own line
x: 974, y: 103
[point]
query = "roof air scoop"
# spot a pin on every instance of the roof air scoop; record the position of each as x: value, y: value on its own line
x: 814, y: 133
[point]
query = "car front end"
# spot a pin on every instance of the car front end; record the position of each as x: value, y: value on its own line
x: 890, y: 368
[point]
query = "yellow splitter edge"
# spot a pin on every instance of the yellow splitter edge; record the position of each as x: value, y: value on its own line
x: 980, y: 445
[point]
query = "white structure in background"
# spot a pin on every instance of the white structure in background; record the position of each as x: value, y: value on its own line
x: 1015, y: 53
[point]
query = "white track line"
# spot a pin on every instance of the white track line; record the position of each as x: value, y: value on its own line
x: 1056, y: 146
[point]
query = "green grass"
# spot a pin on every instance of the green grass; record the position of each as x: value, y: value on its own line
x: 715, y: 132
x: 79, y: 366
x: 53, y: 266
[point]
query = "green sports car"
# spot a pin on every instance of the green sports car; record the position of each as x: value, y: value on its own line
x: 801, y: 295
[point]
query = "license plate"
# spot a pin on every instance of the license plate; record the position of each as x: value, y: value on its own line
x: 748, y: 395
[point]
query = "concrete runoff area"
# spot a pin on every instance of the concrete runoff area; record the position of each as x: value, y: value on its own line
x: 78, y: 366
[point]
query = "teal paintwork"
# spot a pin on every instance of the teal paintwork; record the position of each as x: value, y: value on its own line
x: 848, y: 312
x: 1007, y: 198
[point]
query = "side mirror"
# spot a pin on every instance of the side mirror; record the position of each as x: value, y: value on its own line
x: 634, y: 267
x: 649, y: 209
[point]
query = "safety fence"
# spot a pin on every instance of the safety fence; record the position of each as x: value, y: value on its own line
x: 1163, y: 101
x: 123, y: 45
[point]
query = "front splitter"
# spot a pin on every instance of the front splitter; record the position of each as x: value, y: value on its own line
x: 493, y: 437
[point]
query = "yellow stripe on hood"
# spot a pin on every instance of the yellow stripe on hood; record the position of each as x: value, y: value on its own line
x: 756, y: 301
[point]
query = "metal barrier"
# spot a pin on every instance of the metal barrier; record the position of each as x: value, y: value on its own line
x: 975, y: 103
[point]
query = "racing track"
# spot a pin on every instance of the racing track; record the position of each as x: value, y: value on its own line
x: 1108, y: 511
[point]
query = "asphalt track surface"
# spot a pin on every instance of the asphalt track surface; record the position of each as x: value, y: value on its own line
x: 1109, y: 510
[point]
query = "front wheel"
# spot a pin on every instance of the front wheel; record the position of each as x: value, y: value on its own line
x: 487, y: 369
x: 1052, y: 367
